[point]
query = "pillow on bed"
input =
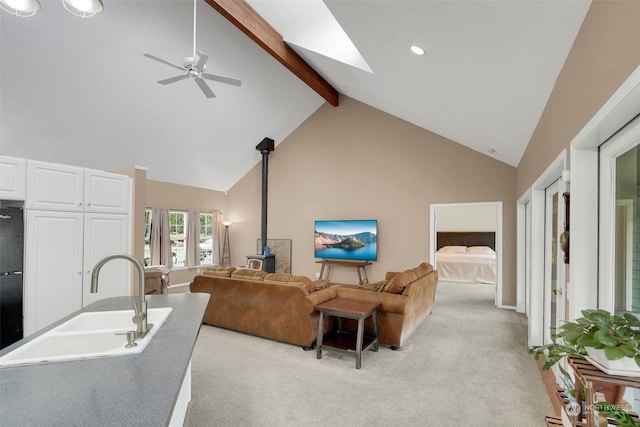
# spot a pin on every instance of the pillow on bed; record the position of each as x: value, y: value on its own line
x: 452, y: 249
x: 480, y: 250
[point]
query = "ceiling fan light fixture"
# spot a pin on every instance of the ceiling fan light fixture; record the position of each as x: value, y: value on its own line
x: 21, y: 8
x: 83, y: 8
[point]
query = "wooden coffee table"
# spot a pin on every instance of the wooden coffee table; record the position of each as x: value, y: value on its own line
x: 346, y: 341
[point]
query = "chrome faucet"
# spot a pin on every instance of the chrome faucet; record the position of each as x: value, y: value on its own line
x: 140, y: 306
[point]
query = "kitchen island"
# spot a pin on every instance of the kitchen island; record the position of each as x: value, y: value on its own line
x: 133, y: 390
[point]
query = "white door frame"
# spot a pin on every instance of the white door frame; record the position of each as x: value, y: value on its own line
x: 536, y: 197
x: 523, y: 248
x: 432, y: 243
x: 556, y: 188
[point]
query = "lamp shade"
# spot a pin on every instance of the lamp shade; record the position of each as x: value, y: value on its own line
x: 226, y: 223
x: 83, y: 8
x: 21, y: 8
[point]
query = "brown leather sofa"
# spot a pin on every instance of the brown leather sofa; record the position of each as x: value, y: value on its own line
x: 282, y: 307
x: 275, y: 306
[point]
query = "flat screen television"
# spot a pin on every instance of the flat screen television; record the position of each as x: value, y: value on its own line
x: 350, y: 239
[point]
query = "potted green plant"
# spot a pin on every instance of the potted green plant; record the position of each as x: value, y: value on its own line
x: 611, y: 341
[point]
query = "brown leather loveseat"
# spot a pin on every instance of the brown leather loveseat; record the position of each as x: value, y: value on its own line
x: 406, y: 299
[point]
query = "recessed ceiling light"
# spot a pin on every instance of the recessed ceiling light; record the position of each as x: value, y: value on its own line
x: 417, y: 50
x: 83, y: 8
x: 21, y: 8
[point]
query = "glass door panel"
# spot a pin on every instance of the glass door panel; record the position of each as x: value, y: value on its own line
x: 553, y: 278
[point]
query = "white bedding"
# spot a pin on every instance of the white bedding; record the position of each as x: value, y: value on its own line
x: 473, y: 265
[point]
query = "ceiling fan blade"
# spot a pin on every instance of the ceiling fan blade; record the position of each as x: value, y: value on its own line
x: 200, y: 60
x: 164, y: 62
x: 173, y: 79
x: 222, y: 79
x: 205, y: 89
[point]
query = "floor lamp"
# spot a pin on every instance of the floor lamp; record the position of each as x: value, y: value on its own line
x: 226, y: 249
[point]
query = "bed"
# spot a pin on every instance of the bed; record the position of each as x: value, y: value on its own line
x: 466, y: 257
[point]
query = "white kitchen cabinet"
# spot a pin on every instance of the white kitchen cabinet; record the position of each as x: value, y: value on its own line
x: 53, y: 267
x: 13, y: 178
x: 106, y: 234
x: 55, y: 187
x: 106, y: 192
x: 51, y: 186
x: 61, y: 250
x: 75, y: 217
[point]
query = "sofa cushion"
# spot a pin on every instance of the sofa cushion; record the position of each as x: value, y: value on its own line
x: 377, y: 286
x: 288, y: 279
x: 423, y: 269
x: 398, y: 282
x: 320, y: 284
x: 218, y: 271
x: 242, y: 273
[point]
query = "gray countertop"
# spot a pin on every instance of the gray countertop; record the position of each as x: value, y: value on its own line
x: 132, y: 390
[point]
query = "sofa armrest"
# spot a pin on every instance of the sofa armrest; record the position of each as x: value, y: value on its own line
x: 322, y: 295
x: 390, y: 303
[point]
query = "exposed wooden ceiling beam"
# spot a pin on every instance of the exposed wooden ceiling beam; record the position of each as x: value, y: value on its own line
x: 245, y: 18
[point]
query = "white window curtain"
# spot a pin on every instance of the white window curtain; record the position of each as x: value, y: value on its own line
x: 160, y: 242
x: 216, y: 256
x: 192, y: 241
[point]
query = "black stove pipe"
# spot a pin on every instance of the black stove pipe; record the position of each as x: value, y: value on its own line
x: 265, y: 147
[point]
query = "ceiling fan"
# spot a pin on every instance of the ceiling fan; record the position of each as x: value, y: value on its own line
x: 195, y: 67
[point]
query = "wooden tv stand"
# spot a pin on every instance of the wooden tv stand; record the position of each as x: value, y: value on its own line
x: 358, y: 265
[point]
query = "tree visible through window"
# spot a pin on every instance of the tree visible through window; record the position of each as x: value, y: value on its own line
x: 147, y: 237
x: 206, y: 238
x: 177, y: 221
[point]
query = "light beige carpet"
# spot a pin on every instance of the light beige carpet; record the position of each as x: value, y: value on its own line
x: 466, y: 365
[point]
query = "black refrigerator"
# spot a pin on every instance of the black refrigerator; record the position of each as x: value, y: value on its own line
x: 11, y: 286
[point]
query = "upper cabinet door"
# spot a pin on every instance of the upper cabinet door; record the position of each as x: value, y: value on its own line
x: 13, y: 178
x: 106, y: 192
x: 54, y: 187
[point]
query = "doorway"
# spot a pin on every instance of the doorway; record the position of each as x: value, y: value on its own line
x: 469, y: 217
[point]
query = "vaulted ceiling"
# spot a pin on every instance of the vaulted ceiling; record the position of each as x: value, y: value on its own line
x: 80, y: 91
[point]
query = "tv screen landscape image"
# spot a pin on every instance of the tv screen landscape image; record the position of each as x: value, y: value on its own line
x: 355, y: 240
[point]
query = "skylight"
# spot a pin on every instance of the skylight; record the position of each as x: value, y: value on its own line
x: 310, y: 24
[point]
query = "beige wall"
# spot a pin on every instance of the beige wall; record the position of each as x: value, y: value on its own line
x: 604, y: 54
x: 466, y: 218
x: 356, y: 162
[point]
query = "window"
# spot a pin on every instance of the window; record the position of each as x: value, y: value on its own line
x: 177, y: 220
x: 147, y: 237
x: 206, y: 238
x: 177, y: 236
x: 619, y: 284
